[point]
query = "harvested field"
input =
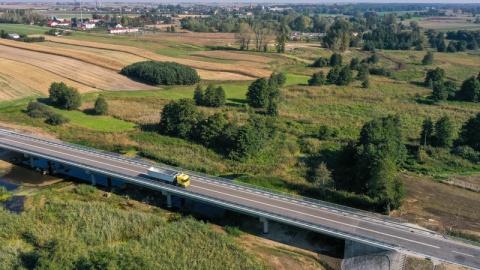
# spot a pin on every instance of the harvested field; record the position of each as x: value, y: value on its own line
x: 222, y: 76
x: 27, y: 80
x: 239, y: 69
x: 440, y: 207
x: 123, y: 58
x: 234, y: 56
x: 197, y: 39
x: 75, y: 54
x: 75, y: 70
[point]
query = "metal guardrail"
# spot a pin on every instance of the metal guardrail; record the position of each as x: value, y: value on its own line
x: 228, y: 204
x: 203, y: 176
x: 332, y: 206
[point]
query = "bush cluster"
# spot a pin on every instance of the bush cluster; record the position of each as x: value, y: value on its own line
x: 165, y: 73
x: 210, y: 97
x: 40, y: 110
x: 182, y: 119
x: 64, y: 97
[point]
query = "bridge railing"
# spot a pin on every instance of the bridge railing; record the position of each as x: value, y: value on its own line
x: 142, y: 162
x: 136, y: 160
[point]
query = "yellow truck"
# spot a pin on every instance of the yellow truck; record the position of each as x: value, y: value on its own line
x: 169, y: 176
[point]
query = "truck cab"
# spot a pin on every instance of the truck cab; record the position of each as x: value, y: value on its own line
x: 183, y: 180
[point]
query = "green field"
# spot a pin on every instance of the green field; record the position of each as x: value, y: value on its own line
x: 22, y: 29
x: 96, y: 122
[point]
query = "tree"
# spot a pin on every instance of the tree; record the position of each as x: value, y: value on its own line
x: 345, y: 76
x: 281, y: 42
x: 101, y: 106
x: 322, y: 177
x: 363, y: 72
x: 470, y: 90
x: 434, y: 75
x: 338, y: 36
x: 366, y: 83
x: 469, y: 133
x: 212, y: 128
x: 441, y: 47
x: 374, y: 58
x: 272, y: 108
x: 428, y: 128
x: 440, y: 92
x: 336, y: 60
x: 428, y: 58
x: 354, y: 63
x: 379, y: 152
x: 56, y: 119
x: 199, y: 95
x: 180, y: 118
x: 214, y: 96
x: 317, y: 79
x: 334, y: 74
x: 277, y: 80
x: 244, y: 36
x: 64, y: 97
x: 258, y: 93
x: 451, y: 47
x: 165, y: 73
x: 321, y: 62
x: 444, y: 132
x: 301, y: 23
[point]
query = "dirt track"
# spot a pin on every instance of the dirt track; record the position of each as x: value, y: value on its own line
x: 75, y: 70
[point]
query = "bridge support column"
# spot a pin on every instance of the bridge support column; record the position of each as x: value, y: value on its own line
x: 169, y: 198
x: 355, y: 249
x: 92, y: 177
x: 265, y: 224
x: 32, y: 162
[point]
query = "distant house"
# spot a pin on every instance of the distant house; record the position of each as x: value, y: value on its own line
x: 114, y: 25
x: 63, y: 24
x: 122, y: 30
x: 52, y: 23
x: 15, y: 36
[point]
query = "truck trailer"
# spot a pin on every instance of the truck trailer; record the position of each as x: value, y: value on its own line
x: 169, y: 176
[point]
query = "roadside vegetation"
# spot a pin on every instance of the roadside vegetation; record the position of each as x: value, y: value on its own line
x: 79, y: 229
x: 345, y: 117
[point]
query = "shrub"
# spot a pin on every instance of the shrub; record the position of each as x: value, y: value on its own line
x: 38, y: 110
x: 84, y: 189
x: 4, y: 194
x: 336, y: 60
x: 326, y: 132
x: 317, y: 79
x: 166, y: 73
x: 321, y: 62
x: 467, y: 153
x: 64, y: 96
x: 233, y: 231
x: 379, y: 71
x: 56, y: 119
x: 101, y: 106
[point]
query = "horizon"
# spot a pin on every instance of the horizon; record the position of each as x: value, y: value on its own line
x: 264, y: 2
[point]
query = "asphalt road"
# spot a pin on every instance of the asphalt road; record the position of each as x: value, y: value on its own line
x: 403, y: 238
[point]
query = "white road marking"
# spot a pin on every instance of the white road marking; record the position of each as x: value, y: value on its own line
x: 78, y: 157
x: 319, y: 217
x: 463, y: 253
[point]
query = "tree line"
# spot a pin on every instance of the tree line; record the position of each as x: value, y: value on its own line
x: 165, y: 73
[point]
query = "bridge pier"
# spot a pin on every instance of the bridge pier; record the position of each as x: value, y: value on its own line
x: 92, y: 177
x: 355, y: 249
x: 169, y: 198
x: 265, y: 224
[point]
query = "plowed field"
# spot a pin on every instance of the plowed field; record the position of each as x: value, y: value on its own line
x: 23, y: 80
x: 74, y: 70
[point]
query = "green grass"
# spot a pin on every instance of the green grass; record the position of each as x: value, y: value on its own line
x: 23, y: 29
x: 235, y: 92
x: 96, y: 122
x: 65, y: 230
x: 293, y: 79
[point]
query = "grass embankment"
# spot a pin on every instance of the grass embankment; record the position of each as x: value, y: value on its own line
x: 23, y: 29
x: 66, y: 230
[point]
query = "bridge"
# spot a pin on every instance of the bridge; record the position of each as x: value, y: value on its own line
x: 361, y: 230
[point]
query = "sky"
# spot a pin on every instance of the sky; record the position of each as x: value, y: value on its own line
x: 262, y: 1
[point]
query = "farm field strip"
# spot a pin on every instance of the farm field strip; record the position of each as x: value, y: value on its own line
x: 91, y: 58
x: 29, y: 77
x: 239, y: 69
x: 75, y: 70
